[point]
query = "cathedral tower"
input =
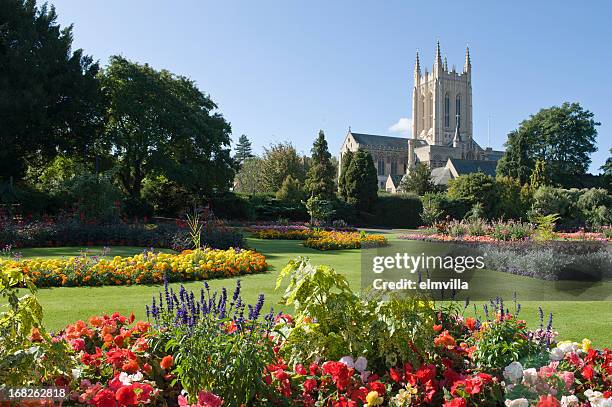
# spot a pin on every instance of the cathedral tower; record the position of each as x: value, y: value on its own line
x: 442, y: 102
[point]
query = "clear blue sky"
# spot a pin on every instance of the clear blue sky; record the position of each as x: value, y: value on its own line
x: 282, y: 70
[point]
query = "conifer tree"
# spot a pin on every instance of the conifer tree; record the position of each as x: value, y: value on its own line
x: 320, y: 178
x: 418, y: 180
x: 347, y: 157
x: 243, y: 149
x: 361, y: 181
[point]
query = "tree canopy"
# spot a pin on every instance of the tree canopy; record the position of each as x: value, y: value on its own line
x: 279, y: 161
x: 50, y: 101
x: 243, y: 149
x: 418, y: 180
x: 161, y: 123
x: 562, y: 137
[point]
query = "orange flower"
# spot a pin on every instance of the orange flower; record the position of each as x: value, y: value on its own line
x: 35, y: 336
x: 445, y: 339
x: 130, y: 367
x: 166, y: 362
x: 470, y: 323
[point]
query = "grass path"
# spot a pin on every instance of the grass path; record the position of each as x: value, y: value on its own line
x: 573, y: 319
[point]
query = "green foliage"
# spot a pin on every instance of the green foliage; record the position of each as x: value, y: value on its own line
x: 243, y: 149
x: 279, y: 161
x: 475, y: 188
x: 23, y: 362
x: 319, y: 209
x: 51, y: 100
x: 438, y: 206
x: 321, y: 174
x: 249, y: 178
x: 477, y: 212
x: 538, y: 176
x: 548, y: 200
x: 95, y: 196
x: 511, y: 203
x: 361, y: 181
x: 162, y: 123
x: 331, y: 321
x: 501, y: 343
x: 595, y: 206
x: 562, y: 137
x: 167, y: 197
x: 347, y: 157
x: 395, y: 211
x: 418, y: 180
x: 291, y: 191
x: 545, y: 226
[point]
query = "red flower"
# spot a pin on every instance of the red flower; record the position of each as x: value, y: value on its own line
x: 130, y: 366
x: 310, y: 385
x: 588, y: 372
x: 339, y: 372
x: 313, y: 369
x: 126, y: 396
x: 104, y: 398
x: 166, y: 362
x: 445, y: 339
x: 456, y: 402
x: 281, y: 375
x: 548, y: 401
x: 208, y: 399
x: 395, y: 375
x: 437, y: 328
x: 470, y: 323
x: 377, y: 387
x: 426, y: 373
x: 301, y: 370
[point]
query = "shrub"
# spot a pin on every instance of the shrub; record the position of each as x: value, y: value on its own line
x: 439, y: 206
x: 290, y: 191
x: 475, y: 188
x: 595, y: 206
x: 395, y: 211
x: 167, y: 198
x: 548, y: 200
x: 319, y: 209
x: 146, y: 268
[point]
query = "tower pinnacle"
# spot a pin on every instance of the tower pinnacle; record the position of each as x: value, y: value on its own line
x: 468, y: 63
x: 438, y: 54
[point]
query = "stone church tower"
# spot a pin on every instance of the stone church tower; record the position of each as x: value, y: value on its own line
x: 442, y: 113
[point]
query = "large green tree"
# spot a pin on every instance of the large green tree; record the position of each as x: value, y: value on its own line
x: 279, y: 161
x: 249, y: 178
x: 476, y: 188
x: 361, y: 181
x: 243, y: 149
x: 345, y: 163
x: 161, y: 123
x: 563, y: 137
x: 50, y: 101
x: 418, y: 180
x: 321, y: 174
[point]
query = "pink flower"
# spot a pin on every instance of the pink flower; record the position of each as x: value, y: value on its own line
x: 205, y: 399
x: 78, y: 344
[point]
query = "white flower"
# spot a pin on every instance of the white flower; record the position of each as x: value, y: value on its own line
x: 567, y: 346
x: 126, y: 379
x: 347, y: 360
x: 514, y: 372
x: 570, y: 401
x: 557, y: 354
x: 596, y: 399
x: 530, y: 376
x: 76, y: 373
x: 361, y: 364
x: 517, y: 403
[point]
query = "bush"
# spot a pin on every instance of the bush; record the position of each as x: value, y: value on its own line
x: 167, y: 198
x: 291, y: 191
x: 232, y: 206
x: 548, y: 200
x: 475, y: 188
x: 438, y: 206
x: 395, y: 211
x: 595, y: 206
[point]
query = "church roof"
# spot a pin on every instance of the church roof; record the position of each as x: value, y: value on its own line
x: 373, y: 140
x: 441, y: 175
x: 469, y: 166
x: 396, y: 179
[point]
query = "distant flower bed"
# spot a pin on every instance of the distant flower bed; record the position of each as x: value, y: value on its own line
x: 323, y: 239
x: 146, y: 268
x: 480, y: 231
x: 51, y: 233
x: 344, y: 240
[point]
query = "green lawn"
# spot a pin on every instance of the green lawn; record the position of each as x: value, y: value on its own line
x: 573, y: 319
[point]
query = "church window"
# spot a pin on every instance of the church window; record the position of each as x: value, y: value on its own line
x: 381, y: 167
x: 393, y: 167
x: 446, y: 111
x: 458, y: 110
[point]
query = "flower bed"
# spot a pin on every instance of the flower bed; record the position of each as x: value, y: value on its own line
x: 146, y: 268
x: 212, y: 349
x: 322, y: 239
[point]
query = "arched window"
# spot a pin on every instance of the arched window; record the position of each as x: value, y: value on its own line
x: 446, y: 111
x: 393, y: 167
x: 381, y: 167
x: 458, y: 110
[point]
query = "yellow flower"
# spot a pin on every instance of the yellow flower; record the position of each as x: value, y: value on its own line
x: 373, y: 399
x: 586, y: 344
